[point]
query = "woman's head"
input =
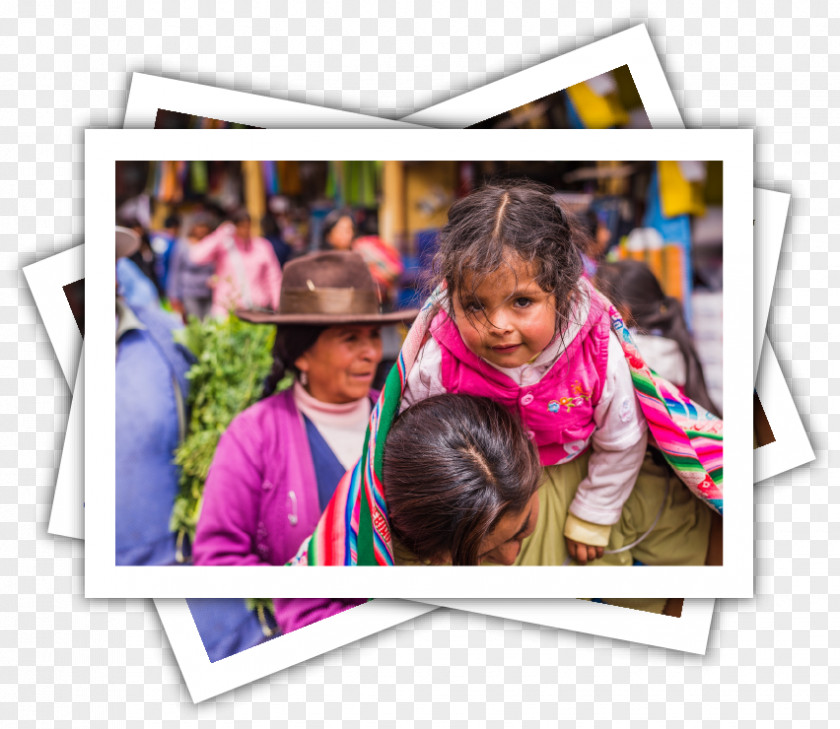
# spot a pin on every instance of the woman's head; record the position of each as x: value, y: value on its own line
x: 335, y: 364
x: 513, y: 241
x: 328, y: 323
x: 460, y: 478
x: 198, y: 226
x: 339, y: 230
x: 635, y: 291
x: 241, y: 219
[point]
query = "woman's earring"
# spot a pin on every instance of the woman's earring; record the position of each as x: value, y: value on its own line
x: 304, y: 379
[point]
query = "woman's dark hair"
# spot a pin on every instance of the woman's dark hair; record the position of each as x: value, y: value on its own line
x: 290, y: 342
x: 269, y: 225
x: 330, y: 221
x: 517, y: 216
x: 634, y: 287
x: 453, y: 466
x: 240, y: 216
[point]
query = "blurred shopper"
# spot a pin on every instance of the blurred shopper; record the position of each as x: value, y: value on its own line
x: 189, y: 283
x: 274, y: 235
x: 151, y: 396
x: 163, y: 245
x: 247, y: 274
x: 659, y: 328
x: 340, y: 234
x: 144, y: 257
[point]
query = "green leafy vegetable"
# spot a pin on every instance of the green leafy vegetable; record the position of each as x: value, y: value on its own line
x: 233, y: 360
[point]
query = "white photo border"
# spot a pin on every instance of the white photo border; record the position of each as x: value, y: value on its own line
x: 46, y: 279
x: 150, y: 94
x: 791, y: 447
x: 205, y: 678
x: 103, y: 147
x: 688, y: 633
x: 770, y: 211
x: 632, y: 48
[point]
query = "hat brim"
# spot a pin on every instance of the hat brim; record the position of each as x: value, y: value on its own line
x: 268, y: 317
x: 127, y: 242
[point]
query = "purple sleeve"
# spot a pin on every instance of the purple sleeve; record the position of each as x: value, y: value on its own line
x: 294, y: 613
x: 227, y: 527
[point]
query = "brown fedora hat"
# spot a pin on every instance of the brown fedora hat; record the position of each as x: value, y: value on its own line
x: 328, y: 287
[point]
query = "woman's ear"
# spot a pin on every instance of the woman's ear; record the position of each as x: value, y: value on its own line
x: 302, y: 363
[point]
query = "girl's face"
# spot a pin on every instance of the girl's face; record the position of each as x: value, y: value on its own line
x: 340, y: 366
x: 502, y: 545
x: 505, y: 318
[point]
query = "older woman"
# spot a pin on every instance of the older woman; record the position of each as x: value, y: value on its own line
x: 278, y: 463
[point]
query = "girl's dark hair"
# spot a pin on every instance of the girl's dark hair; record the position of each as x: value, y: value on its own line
x: 330, y: 221
x: 290, y: 342
x: 518, y: 216
x: 633, y: 286
x: 453, y: 466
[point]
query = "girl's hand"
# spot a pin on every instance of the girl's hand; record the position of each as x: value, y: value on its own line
x: 583, y: 553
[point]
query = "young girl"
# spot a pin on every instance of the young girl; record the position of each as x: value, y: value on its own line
x: 521, y: 326
x: 658, y: 325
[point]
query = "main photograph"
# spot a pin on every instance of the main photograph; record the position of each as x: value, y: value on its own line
x: 419, y: 363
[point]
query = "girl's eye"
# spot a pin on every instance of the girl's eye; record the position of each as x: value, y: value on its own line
x: 472, y: 307
x: 522, y: 301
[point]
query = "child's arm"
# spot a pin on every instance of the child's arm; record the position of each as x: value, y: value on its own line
x: 618, y: 449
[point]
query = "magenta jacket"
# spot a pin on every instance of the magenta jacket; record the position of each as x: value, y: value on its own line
x: 558, y: 410
x: 261, y: 501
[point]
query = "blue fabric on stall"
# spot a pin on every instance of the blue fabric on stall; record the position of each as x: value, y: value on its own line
x: 226, y: 626
x: 146, y: 435
x: 673, y: 230
x: 572, y: 116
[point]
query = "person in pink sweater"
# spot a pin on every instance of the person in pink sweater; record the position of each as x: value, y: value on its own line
x: 247, y: 271
x: 520, y: 326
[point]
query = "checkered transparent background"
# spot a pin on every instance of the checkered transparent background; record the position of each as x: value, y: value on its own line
x: 65, y: 659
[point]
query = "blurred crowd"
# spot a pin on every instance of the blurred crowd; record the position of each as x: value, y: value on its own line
x: 206, y: 263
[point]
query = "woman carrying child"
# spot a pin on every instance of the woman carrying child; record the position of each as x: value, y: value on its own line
x: 522, y: 327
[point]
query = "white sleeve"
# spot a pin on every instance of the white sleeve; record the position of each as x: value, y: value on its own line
x: 618, y: 445
x: 618, y: 418
x: 424, y: 378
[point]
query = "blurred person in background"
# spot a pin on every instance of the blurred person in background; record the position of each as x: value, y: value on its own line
x: 247, y: 274
x: 274, y: 235
x: 151, y: 395
x: 188, y: 286
x: 162, y: 244
x: 144, y: 257
x: 340, y: 234
x: 658, y: 325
